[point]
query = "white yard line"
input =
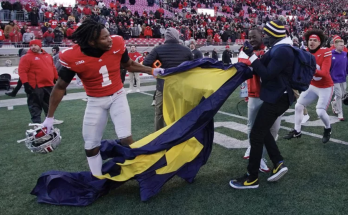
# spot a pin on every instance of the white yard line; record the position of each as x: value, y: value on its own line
x: 10, y: 103
x: 289, y: 129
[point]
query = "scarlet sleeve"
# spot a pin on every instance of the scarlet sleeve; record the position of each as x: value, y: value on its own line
x: 23, y: 69
x: 65, y: 58
x: 325, y: 66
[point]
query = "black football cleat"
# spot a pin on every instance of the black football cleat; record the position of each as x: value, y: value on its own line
x: 292, y: 134
x: 326, y: 135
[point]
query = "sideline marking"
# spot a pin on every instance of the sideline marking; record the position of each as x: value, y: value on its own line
x: 288, y: 129
x: 283, y: 127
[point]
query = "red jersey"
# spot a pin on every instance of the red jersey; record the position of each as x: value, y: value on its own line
x: 322, y: 77
x: 100, y: 76
x: 48, y: 15
x: 2, y: 36
x: 134, y: 55
x: 210, y: 32
x: 53, y: 23
x: 254, y: 83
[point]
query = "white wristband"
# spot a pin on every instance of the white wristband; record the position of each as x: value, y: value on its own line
x: 253, y: 58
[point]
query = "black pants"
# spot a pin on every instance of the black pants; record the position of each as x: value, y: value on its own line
x: 154, y: 96
x: 38, y: 100
x: 261, y: 135
x: 16, y: 89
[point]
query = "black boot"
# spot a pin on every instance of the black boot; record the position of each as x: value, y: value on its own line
x: 11, y: 94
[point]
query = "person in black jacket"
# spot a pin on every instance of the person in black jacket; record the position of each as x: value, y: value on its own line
x: 226, y: 56
x: 277, y: 95
x: 17, y: 6
x: 195, y: 52
x: 171, y: 54
x: 6, y: 9
x: 34, y: 17
x: 214, y: 55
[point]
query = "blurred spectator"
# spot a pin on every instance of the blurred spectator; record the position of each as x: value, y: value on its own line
x: 70, y: 31
x: 55, y: 53
x: 48, y: 37
x: 17, y: 6
x: 214, y: 54
x: 8, y: 29
x: 24, y: 29
x: 148, y: 32
x: 58, y: 35
x: 226, y: 56
x: 195, y: 52
x: 53, y: 22
x: 34, y: 17
x: 45, y: 27
x: 87, y: 11
x: 28, y: 36
x: 2, y: 36
x: 15, y: 35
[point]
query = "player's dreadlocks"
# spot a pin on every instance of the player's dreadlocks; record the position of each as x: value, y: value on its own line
x: 89, y: 30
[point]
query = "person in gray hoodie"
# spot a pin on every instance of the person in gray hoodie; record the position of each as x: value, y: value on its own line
x: 28, y: 36
x: 135, y: 31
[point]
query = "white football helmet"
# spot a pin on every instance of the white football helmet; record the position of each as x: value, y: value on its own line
x: 37, y: 140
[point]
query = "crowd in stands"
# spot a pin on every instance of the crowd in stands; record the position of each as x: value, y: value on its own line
x: 232, y: 19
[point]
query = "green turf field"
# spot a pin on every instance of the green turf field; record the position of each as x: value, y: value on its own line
x: 315, y: 183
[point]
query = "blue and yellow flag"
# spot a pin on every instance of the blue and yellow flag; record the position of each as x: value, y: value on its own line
x: 193, y: 93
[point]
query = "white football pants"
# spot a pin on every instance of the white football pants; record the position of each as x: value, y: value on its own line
x: 96, y: 118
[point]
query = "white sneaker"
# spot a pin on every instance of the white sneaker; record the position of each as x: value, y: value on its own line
x: 138, y: 90
x: 247, y: 153
x: 153, y: 103
x: 305, y: 119
x: 85, y: 99
x: 57, y: 122
x: 129, y: 91
x: 263, y: 166
x: 340, y: 117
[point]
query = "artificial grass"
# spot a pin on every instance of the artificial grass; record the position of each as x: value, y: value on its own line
x: 315, y: 183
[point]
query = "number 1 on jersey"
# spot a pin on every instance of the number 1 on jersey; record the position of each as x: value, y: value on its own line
x: 105, y: 73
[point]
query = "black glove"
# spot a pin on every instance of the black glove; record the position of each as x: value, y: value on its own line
x: 27, y: 88
x: 248, y: 49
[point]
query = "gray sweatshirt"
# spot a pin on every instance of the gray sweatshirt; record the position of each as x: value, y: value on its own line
x: 27, y: 37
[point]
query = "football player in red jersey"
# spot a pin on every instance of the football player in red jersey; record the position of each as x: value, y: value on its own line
x: 321, y: 87
x: 96, y: 59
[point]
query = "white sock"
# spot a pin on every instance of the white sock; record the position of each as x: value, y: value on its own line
x: 324, y: 117
x: 95, y: 164
x: 298, y: 116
